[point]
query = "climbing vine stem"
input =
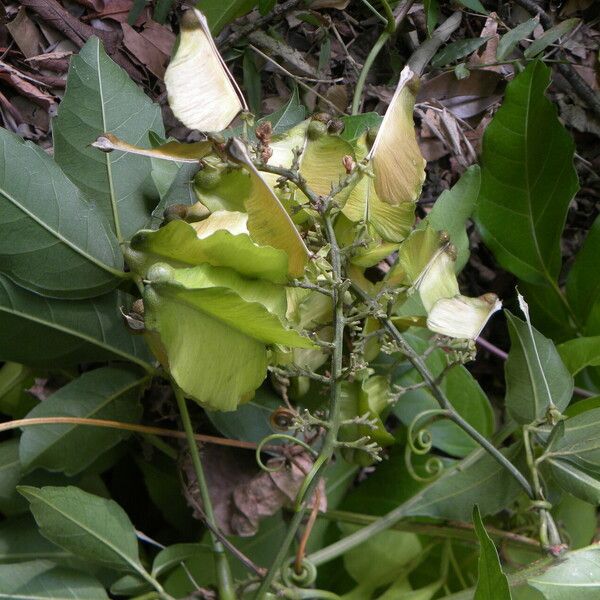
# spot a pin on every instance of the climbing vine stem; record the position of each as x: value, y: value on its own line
x: 224, y: 579
x: 312, y: 479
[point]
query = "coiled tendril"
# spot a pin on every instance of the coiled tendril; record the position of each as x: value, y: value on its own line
x: 279, y: 436
x: 304, y: 579
x: 421, y: 443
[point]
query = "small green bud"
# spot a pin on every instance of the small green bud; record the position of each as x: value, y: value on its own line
x: 207, y: 178
x: 160, y: 272
x: 316, y: 130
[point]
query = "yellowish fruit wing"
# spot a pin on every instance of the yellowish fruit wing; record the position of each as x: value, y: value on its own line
x: 201, y: 91
x: 268, y: 222
x: 398, y: 164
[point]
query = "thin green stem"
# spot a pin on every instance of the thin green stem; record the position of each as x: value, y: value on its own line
x: 549, y: 535
x: 161, y: 445
x: 362, y: 78
x: 375, y: 50
x: 223, y: 572
x: 455, y: 530
x: 312, y: 479
x: 374, y: 11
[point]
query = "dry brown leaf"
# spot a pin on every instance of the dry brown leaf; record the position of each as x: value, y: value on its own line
x: 465, y: 98
x: 25, y: 33
x: 53, y: 61
x: 487, y: 55
x: 292, y: 59
x: 159, y: 36
x: 15, y: 79
x: 243, y: 495
x: 147, y: 54
x: 339, y: 4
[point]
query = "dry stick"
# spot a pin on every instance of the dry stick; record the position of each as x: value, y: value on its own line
x: 297, y: 79
x: 581, y: 88
x: 307, y: 531
x: 278, y: 11
x: 172, y: 433
x: 503, y: 355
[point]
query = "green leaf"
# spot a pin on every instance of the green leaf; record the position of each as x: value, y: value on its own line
x: 163, y: 484
x: 581, y: 438
x: 100, y: 97
x: 44, y: 332
x: 107, y: 393
x: 265, y: 6
x: 51, y: 240
x: 548, y: 311
x: 491, y: 582
x: 215, y: 327
x: 575, y: 576
x: 577, y: 518
x: 575, y: 480
x: 457, y: 50
x: 536, y: 378
x: 42, y: 579
x: 528, y: 179
x: 432, y: 11
x: 469, y: 400
x: 21, y: 541
x: 550, y: 36
x: 582, y: 406
x: 583, y: 283
x: 250, y: 422
x: 378, y: 561
x: 219, y: 13
x: 181, y: 191
x: 321, y: 161
x: 252, y: 81
x: 580, y: 353
x: 90, y: 527
x: 474, y: 5
x: 14, y: 381
x: 10, y: 475
x: 289, y: 115
x: 130, y: 585
x: 172, y: 556
x: 452, y: 209
x: 477, y: 479
x: 178, y: 244
x: 269, y: 224
x: 508, y: 42
x: 356, y: 125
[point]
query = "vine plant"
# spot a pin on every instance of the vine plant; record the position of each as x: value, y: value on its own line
x: 267, y: 269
